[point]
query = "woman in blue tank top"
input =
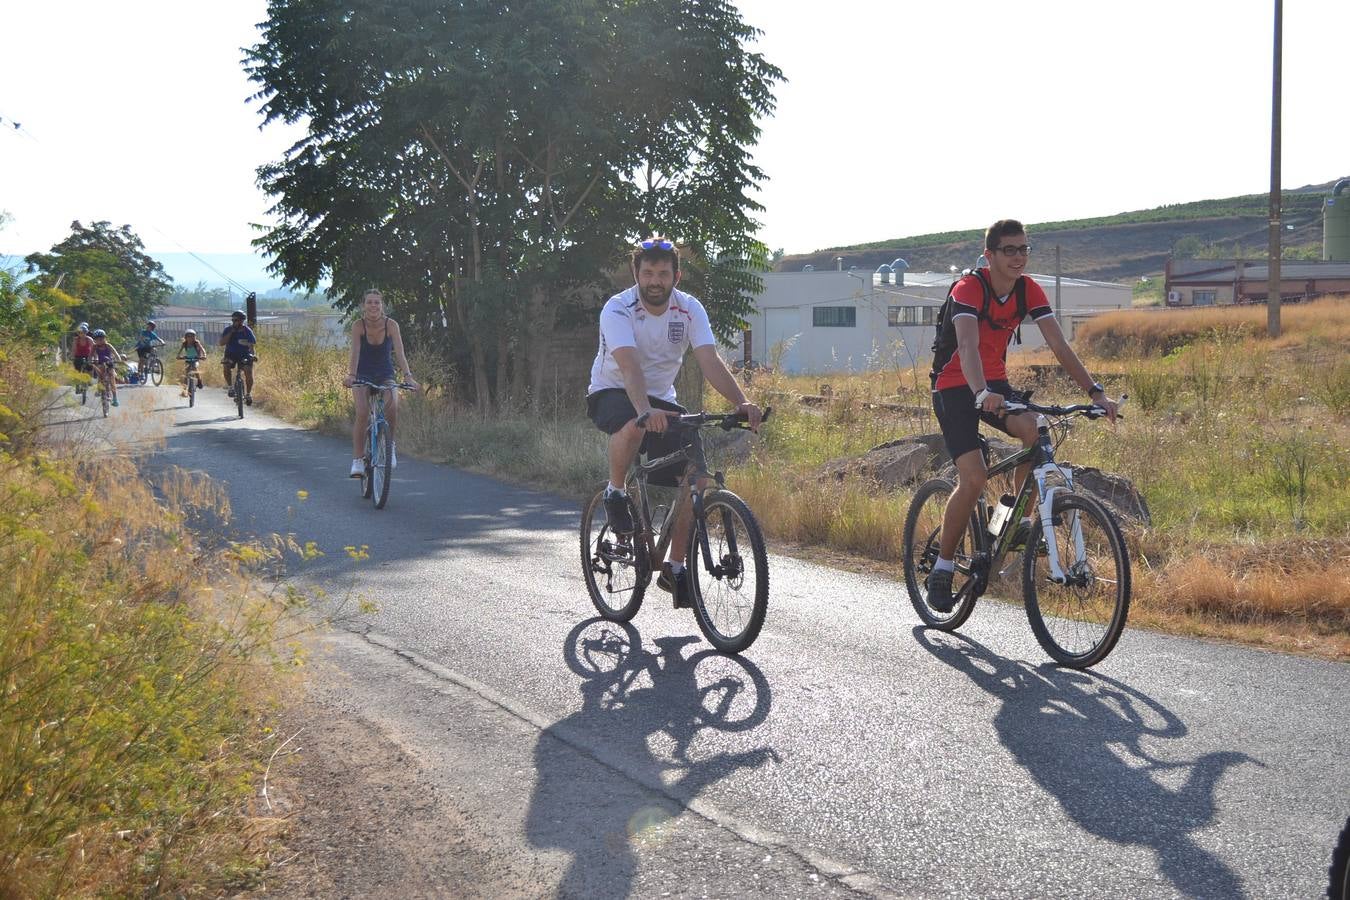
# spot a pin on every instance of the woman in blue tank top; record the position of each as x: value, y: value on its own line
x: 376, y: 344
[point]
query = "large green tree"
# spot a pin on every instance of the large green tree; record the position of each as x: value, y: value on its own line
x: 487, y: 163
x: 114, y: 282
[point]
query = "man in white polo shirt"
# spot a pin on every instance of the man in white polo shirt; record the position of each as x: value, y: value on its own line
x: 644, y: 332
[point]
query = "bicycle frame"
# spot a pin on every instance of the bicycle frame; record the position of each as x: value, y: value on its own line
x: 1042, y: 457
x: 695, y: 470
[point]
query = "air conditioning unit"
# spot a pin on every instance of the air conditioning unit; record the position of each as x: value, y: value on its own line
x: 1174, y: 298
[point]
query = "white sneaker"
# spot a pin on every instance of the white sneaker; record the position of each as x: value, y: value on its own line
x: 358, y: 468
x: 393, y: 455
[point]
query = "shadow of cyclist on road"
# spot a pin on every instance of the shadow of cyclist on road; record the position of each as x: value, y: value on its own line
x: 612, y: 777
x: 1085, y: 738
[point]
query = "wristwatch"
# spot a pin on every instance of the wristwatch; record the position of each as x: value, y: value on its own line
x: 1096, y: 386
x: 979, y: 398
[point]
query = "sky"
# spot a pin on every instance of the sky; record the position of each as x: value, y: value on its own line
x: 897, y: 118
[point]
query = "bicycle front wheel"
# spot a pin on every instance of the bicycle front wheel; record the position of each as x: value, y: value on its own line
x: 156, y: 371
x: 192, y: 391
x: 239, y: 394
x: 923, y: 525
x: 617, y: 567
x: 1078, y: 622
x: 731, y: 600
x: 381, y: 461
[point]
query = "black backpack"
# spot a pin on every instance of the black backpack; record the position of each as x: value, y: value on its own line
x: 944, y: 342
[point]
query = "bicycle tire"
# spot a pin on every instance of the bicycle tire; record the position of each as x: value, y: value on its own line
x: 604, y: 553
x: 723, y: 601
x: 923, y: 522
x: 239, y: 392
x: 84, y: 395
x: 104, y: 397
x: 192, y: 392
x: 156, y: 371
x: 1096, y: 602
x: 1339, y: 886
x: 382, y: 454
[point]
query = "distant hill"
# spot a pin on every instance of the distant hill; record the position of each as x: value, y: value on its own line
x: 1122, y: 247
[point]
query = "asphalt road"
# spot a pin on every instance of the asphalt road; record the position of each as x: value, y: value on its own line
x: 848, y: 750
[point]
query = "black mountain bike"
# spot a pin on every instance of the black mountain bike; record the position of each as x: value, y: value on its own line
x: 1076, y: 569
x: 728, y: 566
x: 238, y: 386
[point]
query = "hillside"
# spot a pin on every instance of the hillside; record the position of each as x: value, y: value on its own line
x: 1121, y: 247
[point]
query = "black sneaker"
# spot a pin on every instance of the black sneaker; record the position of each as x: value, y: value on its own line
x: 229, y: 392
x: 618, y: 514
x: 678, y: 585
x: 248, y: 399
x: 940, y: 590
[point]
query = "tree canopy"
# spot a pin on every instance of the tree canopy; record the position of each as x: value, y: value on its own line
x: 113, y: 282
x: 487, y: 163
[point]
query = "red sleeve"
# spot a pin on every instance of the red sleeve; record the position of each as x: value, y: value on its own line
x: 969, y: 292
x: 1038, y: 305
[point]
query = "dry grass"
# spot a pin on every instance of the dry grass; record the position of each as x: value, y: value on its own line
x: 1142, y: 333
x: 134, y: 695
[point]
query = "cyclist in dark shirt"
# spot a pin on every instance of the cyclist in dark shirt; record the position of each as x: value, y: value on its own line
x: 238, y: 341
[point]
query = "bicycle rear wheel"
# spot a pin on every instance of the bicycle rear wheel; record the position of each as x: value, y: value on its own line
x: 156, y: 371
x: 381, y: 459
x: 923, y: 524
x: 616, y: 567
x: 731, y: 601
x: 1079, y: 622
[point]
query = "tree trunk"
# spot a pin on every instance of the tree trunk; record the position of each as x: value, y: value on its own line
x: 689, y: 385
x: 542, y: 314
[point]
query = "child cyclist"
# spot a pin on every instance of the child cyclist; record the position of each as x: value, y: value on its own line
x: 193, y: 351
x: 105, y: 356
x: 146, y: 342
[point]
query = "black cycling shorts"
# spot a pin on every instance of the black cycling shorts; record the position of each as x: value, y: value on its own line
x: 81, y: 364
x: 231, y: 360
x: 610, y: 410
x: 960, y: 420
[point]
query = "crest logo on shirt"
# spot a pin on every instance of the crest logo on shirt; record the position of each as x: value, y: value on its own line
x: 676, y: 331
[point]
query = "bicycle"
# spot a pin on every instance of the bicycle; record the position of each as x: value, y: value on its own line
x: 1076, y: 568
x: 238, y: 388
x: 1339, y: 872
x: 190, y: 372
x: 379, y: 456
x: 725, y: 551
x: 152, y: 369
x: 106, y: 373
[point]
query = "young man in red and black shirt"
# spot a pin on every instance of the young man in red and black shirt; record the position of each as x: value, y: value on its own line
x: 971, y: 386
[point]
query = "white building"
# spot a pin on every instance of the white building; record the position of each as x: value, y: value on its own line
x: 833, y: 321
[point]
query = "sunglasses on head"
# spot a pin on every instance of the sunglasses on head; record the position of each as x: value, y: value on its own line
x: 656, y: 244
x: 1015, y: 249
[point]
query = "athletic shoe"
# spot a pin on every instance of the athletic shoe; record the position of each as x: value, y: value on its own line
x: 617, y: 512
x: 940, y: 590
x: 248, y: 399
x: 676, y: 584
x: 358, y: 468
x: 229, y: 391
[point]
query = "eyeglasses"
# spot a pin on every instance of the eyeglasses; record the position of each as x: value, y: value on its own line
x: 1014, y: 250
x: 656, y: 244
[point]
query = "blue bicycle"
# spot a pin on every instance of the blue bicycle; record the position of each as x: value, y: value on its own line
x: 379, y: 456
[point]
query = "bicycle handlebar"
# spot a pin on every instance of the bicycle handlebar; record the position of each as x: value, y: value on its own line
x: 402, y: 385
x: 725, y: 421
x: 1091, y: 410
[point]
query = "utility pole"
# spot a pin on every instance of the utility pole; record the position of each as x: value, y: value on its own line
x: 1058, y: 317
x: 1273, y: 267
